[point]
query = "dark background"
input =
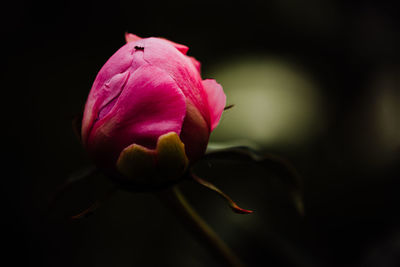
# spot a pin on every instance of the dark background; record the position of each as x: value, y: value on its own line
x: 52, y: 52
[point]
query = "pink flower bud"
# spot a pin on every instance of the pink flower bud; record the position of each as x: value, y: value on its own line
x: 147, y: 89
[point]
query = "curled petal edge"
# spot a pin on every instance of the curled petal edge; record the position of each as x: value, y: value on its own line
x: 216, y: 100
x: 129, y: 37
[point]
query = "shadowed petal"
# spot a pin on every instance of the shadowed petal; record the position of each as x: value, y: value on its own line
x: 195, y: 133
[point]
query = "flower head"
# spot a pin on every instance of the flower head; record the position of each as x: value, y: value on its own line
x: 149, y: 98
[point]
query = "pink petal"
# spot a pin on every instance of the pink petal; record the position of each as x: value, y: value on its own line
x: 216, y: 100
x: 114, y: 86
x: 129, y: 37
x: 150, y: 105
x: 161, y: 53
x: 196, y: 63
x: 181, y: 48
x: 107, y: 83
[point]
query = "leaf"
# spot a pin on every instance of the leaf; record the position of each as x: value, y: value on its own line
x: 286, y: 171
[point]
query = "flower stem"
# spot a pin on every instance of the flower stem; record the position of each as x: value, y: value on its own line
x: 174, y: 199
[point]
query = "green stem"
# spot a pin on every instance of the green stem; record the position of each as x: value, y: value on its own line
x: 174, y: 199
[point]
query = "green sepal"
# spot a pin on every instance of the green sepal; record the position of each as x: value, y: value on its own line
x: 137, y: 162
x: 154, y: 167
x: 171, y: 157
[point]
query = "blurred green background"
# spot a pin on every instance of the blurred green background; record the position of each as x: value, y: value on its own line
x: 316, y: 82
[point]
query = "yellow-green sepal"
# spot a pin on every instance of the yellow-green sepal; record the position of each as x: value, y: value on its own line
x: 164, y: 164
x: 171, y: 157
x: 137, y: 162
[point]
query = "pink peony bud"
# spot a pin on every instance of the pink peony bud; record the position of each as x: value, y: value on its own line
x: 150, y: 88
